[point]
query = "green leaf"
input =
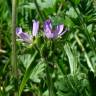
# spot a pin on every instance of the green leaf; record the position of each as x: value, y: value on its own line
x: 27, y: 74
x: 76, y: 1
x: 42, y: 5
x: 26, y: 60
x: 68, y: 22
x: 71, y: 58
x: 89, y: 28
x: 71, y: 12
x: 8, y: 88
x: 37, y: 72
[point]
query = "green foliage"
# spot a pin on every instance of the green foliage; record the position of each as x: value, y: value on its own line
x: 27, y: 74
x: 61, y: 67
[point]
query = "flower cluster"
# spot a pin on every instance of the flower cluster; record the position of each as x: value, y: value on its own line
x: 49, y: 31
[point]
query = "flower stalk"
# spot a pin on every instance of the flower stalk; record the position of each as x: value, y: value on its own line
x: 49, y: 79
x: 14, y: 64
x: 38, y: 10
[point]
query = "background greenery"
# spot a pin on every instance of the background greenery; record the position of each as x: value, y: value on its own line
x: 62, y: 67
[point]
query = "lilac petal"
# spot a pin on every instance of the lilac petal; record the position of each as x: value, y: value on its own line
x: 49, y: 35
x: 63, y: 32
x: 48, y: 24
x: 48, y: 29
x: 35, y: 27
x: 60, y: 28
x: 24, y: 36
x: 47, y: 32
x: 18, y: 31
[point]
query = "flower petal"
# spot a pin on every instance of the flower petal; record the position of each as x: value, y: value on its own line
x: 24, y: 36
x: 60, y: 28
x: 63, y: 32
x: 48, y: 24
x: 35, y: 27
x: 18, y: 31
x: 49, y: 35
x: 48, y: 29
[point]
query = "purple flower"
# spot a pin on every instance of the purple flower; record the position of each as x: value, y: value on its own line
x: 51, y: 33
x: 27, y: 37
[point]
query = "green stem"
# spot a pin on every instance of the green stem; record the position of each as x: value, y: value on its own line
x: 38, y: 10
x: 14, y: 65
x: 85, y: 53
x: 14, y: 38
x: 0, y: 37
x: 49, y: 79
